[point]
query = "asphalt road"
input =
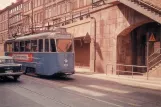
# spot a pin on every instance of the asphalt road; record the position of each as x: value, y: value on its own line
x: 74, y: 91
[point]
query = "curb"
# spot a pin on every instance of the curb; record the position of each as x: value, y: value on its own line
x: 155, y: 85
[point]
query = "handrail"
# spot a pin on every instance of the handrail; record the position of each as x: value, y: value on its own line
x: 131, y: 65
x: 149, y: 5
x: 154, y: 58
x: 154, y: 52
x: 132, y: 69
x: 154, y: 64
x: 156, y: 68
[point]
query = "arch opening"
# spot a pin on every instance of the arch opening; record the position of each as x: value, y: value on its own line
x: 132, y: 46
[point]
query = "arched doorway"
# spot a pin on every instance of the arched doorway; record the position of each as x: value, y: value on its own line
x: 132, y: 46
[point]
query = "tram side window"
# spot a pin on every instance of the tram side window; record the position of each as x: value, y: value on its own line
x: 46, y: 45
x: 22, y: 46
x: 40, y: 45
x: 52, y: 45
x: 27, y: 46
x: 9, y: 47
x: 16, y: 47
x: 34, y: 46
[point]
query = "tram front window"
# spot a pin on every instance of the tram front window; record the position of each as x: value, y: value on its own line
x: 64, y: 45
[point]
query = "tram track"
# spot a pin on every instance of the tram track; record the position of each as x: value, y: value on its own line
x: 66, y: 105
x: 40, y: 94
x: 59, y: 84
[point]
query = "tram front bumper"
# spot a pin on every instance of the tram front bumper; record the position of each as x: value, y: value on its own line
x: 67, y: 72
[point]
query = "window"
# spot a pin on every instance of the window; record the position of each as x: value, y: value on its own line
x: 63, y: 7
x: 47, y: 13
x: 81, y: 3
x: 34, y: 47
x: 9, y: 47
x: 88, y: 2
x: 54, y: 10
x: 68, y: 6
x: 50, y: 11
x: 27, y: 46
x: 40, y: 45
x: 52, y: 45
x: 59, y: 8
x: 64, y: 45
x: 46, y: 45
x: 22, y: 46
x: 16, y: 47
x: 75, y: 4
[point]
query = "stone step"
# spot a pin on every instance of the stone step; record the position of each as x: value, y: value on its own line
x: 142, y: 9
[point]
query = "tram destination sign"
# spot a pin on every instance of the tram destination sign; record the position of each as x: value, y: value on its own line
x: 22, y: 57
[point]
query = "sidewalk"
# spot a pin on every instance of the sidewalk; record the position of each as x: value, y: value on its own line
x: 136, y: 81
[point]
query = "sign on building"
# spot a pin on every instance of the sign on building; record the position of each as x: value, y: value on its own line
x: 152, y: 38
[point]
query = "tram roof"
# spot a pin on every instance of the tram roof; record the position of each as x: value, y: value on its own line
x: 42, y: 35
x: 35, y: 36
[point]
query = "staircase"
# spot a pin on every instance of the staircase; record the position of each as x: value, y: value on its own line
x: 148, y: 9
x: 142, y: 7
x: 154, y: 64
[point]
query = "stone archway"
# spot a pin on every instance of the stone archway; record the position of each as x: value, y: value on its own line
x: 132, y: 47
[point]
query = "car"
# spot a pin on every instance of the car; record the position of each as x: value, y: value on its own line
x: 9, y: 68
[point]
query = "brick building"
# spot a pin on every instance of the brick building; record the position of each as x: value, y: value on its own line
x: 3, y: 27
x: 106, y: 32
x: 15, y: 19
x: 33, y: 15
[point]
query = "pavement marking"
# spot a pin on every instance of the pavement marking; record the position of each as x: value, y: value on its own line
x: 109, y: 89
x: 85, y: 91
x: 116, y: 91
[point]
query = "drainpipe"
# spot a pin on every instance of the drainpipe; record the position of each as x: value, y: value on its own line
x: 93, y: 20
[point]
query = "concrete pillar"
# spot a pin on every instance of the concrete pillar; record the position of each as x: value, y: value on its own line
x: 92, y: 45
x: 134, y: 47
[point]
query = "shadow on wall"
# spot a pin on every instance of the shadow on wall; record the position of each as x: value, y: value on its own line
x: 99, y: 59
x: 98, y: 50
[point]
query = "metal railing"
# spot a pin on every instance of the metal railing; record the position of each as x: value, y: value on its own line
x: 156, y: 59
x: 131, y: 69
x: 148, y: 4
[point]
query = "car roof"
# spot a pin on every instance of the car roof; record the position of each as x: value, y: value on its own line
x: 5, y: 57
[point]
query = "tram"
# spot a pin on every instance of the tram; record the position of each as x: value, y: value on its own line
x: 46, y: 53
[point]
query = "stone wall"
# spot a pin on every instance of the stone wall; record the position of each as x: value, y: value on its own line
x: 110, y: 23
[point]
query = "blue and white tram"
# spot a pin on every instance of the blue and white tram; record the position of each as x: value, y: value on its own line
x: 46, y: 53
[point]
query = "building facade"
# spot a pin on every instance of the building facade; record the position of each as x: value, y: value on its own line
x: 107, y: 33
x: 3, y: 27
x: 15, y: 19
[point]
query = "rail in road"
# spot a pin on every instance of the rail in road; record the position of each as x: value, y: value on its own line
x: 74, y: 92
